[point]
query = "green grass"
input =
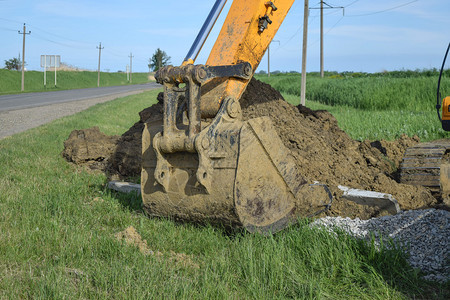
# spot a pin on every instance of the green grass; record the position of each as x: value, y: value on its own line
x: 372, y: 106
x: 58, y: 242
x: 363, y: 124
x: 10, y: 82
x: 373, y: 93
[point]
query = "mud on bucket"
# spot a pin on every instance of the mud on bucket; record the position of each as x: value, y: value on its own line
x: 239, y: 175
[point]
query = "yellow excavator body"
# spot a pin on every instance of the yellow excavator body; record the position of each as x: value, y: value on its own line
x: 202, y: 162
x: 446, y: 113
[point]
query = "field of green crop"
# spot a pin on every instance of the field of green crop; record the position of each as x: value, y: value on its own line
x: 10, y: 82
x: 58, y: 225
x: 373, y: 106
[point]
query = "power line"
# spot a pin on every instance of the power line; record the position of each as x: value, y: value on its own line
x: 7, y: 29
x: 351, y: 3
x: 331, y: 28
x: 384, y: 10
x: 40, y: 37
x: 297, y: 31
x: 86, y: 45
x: 12, y: 21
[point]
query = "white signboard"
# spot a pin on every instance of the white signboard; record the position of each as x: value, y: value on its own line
x: 50, y: 61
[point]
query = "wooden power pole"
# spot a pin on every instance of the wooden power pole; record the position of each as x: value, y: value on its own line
x: 131, y: 65
x: 328, y: 6
x: 23, y: 55
x: 305, y: 43
x: 321, y: 38
x: 99, y: 55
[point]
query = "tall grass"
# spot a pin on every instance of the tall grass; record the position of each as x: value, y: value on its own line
x: 372, y: 93
x: 390, y: 124
x: 34, y: 80
x: 57, y: 226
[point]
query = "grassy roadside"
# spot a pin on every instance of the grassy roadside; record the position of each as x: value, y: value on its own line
x: 57, y: 226
x: 66, y: 80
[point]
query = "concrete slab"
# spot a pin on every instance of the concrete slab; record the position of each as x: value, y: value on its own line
x: 363, y: 197
x: 124, y: 187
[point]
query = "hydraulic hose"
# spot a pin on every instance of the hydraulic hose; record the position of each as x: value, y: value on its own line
x: 438, y: 104
x: 204, y: 31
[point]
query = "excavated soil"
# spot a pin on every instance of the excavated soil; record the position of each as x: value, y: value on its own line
x: 323, y: 151
x: 132, y: 238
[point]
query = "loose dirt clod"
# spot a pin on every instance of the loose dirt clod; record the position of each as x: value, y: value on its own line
x: 90, y: 147
x: 323, y: 152
x: 133, y: 238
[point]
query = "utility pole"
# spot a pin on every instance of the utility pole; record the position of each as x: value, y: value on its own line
x: 321, y: 38
x: 23, y: 55
x: 321, y: 29
x: 305, y: 42
x: 131, y: 65
x: 99, y: 55
x: 268, y: 58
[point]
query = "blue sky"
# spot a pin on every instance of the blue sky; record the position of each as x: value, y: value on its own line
x: 371, y: 36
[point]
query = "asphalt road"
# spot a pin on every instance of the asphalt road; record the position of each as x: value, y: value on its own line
x: 28, y: 100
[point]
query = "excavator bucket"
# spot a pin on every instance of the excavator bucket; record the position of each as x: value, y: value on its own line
x: 202, y: 162
x: 223, y: 170
x: 243, y: 176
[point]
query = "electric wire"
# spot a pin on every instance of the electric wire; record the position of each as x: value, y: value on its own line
x: 332, y: 27
x: 384, y: 10
x: 7, y: 29
x: 53, y: 34
x: 310, y: 20
x: 41, y: 37
x: 12, y: 21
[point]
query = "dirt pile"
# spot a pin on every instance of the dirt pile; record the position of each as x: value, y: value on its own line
x: 90, y: 147
x: 323, y: 151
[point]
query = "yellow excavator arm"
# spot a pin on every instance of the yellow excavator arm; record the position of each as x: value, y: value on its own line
x: 249, y: 28
x: 246, y: 33
x: 202, y: 162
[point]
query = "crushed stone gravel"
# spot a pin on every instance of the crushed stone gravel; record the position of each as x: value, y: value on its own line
x: 424, y: 234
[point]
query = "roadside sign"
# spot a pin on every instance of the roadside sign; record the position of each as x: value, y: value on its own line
x: 50, y: 61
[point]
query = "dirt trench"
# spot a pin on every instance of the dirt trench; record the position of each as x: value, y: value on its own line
x: 323, y: 152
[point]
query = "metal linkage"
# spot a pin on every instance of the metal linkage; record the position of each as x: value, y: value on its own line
x: 174, y: 139
x: 201, y: 74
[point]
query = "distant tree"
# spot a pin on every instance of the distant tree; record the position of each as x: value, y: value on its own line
x: 158, y: 60
x: 262, y: 72
x: 13, y: 64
